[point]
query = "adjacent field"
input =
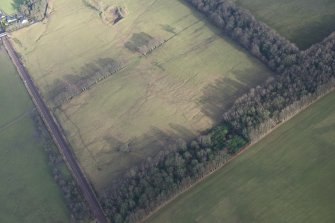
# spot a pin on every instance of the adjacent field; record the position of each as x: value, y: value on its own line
x: 178, y: 90
x: 287, y: 177
x: 303, y: 22
x: 27, y: 190
x: 6, y: 5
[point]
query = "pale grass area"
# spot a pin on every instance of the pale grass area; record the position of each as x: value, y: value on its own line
x: 177, y: 91
x: 6, y: 6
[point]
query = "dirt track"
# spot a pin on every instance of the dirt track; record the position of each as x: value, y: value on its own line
x: 57, y: 135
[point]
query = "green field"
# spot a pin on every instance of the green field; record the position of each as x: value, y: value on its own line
x: 287, y: 177
x: 28, y: 193
x: 303, y: 22
x: 6, y: 6
x: 177, y: 91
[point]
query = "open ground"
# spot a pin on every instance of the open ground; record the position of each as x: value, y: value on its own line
x: 287, y: 177
x: 27, y: 191
x: 176, y: 91
x: 7, y: 6
x: 303, y: 22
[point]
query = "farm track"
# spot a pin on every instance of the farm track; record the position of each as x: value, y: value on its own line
x: 57, y: 136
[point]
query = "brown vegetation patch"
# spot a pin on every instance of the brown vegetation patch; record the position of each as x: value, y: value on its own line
x: 143, y: 43
x: 109, y: 14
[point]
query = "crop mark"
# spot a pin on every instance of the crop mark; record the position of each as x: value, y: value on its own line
x: 16, y: 120
x: 82, y: 141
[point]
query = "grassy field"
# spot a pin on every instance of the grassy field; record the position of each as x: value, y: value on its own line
x: 6, y: 5
x: 303, y: 22
x: 174, y: 92
x: 28, y: 193
x: 287, y: 177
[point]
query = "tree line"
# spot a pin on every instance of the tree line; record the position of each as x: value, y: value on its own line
x: 74, y: 199
x: 33, y: 9
x: 305, y: 76
x: 156, y: 180
x: 265, y: 106
x: 259, y: 39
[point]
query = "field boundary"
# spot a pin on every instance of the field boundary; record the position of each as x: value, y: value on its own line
x: 232, y: 158
x: 58, y: 137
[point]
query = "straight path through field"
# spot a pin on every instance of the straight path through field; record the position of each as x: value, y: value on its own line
x: 57, y: 136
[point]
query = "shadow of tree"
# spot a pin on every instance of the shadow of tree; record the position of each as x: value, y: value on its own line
x: 138, y: 40
x: 118, y: 157
x: 73, y: 84
x: 221, y: 95
x: 312, y: 33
